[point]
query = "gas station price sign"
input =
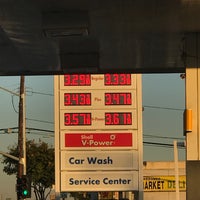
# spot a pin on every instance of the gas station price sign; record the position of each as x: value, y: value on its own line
x: 98, y: 119
x: 119, y: 118
x: 98, y: 81
x: 117, y: 79
x: 77, y: 99
x: 77, y: 79
x: 77, y: 119
x: 121, y: 98
x: 97, y: 99
x: 98, y: 127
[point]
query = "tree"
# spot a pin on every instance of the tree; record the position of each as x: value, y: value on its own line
x: 40, y: 166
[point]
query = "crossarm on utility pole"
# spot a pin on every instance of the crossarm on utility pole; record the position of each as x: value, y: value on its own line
x: 8, y: 155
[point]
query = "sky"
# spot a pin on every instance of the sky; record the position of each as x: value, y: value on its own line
x: 163, y: 102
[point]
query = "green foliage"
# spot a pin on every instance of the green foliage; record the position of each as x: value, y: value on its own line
x: 11, y: 166
x: 40, y: 166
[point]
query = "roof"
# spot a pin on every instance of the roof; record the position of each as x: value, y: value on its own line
x: 98, y: 36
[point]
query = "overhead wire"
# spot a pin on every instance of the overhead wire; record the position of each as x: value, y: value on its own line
x: 39, y: 120
x: 164, y: 108
x: 162, y: 137
x: 159, y: 144
x: 42, y: 93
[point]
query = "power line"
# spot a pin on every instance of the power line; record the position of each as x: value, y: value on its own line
x: 13, y: 104
x: 165, y: 108
x: 38, y: 120
x: 158, y: 144
x: 13, y: 130
x: 38, y: 129
x: 162, y: 137
x: 42, y: 93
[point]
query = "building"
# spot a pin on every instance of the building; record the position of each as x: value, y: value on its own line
x: 159, y: 180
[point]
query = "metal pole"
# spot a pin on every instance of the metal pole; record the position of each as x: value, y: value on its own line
x: 176, y: 170
x: 24, y: 127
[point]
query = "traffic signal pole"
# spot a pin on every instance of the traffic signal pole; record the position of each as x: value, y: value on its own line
x: 21, y: 139
x: 22, y: 131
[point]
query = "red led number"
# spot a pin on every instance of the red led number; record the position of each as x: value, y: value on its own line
x: 77, y: 99
x: 77, y: 119
x: 117, y: 79
x: 77, y: 79
x: 118, y: 118
x: 118, y: 99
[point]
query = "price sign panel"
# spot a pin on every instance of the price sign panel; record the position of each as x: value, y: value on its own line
x: 98, y: 119
x: 117, y: 79
x: 97, y: 99
x: 99, y: 81
x: 76, y: 80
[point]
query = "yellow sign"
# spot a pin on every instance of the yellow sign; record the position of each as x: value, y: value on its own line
x: 163, y: 183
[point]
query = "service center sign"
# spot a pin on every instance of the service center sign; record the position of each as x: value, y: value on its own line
x: 101, y: 181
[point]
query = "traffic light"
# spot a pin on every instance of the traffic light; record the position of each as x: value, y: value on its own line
x: 23, y: 187
x: 18, y: 187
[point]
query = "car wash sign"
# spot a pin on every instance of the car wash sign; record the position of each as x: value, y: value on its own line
x: 98, y: 136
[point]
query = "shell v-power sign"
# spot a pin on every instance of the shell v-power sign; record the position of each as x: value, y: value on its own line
x: 98, y: 132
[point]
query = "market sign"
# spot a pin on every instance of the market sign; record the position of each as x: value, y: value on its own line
x: 163, y: 183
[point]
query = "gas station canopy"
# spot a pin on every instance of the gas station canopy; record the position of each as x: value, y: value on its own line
x: 98, y: 36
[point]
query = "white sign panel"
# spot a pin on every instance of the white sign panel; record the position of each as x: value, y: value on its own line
x: 99, y: 181
x: 98, y: 132
x: 99, y: 160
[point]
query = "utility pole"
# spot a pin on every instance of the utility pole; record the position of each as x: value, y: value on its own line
x: 22, y: 129
x: 176, y: 170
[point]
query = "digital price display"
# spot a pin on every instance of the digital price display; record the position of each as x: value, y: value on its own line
x: 120, y: 118
x: 98, y: 81
x: 117, y: 79
x: 98, y: 119
x: 118, y: 98
x: 77, y: 79
x: 97, y: 99
x: 77, y: 119
x: 77, y: 99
